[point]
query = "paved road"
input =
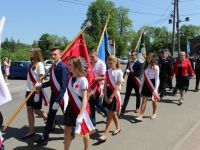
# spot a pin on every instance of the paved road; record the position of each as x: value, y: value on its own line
x: 177, y: 127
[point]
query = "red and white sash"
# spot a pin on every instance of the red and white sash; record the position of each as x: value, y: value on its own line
x: 137, y: 80
x: 86, y: 126
x: 1, y: 141
x: 96, y: 89
x: 151, y: 87
x: 56, y: 88
x: 33, y: 81
x: 112, y: 84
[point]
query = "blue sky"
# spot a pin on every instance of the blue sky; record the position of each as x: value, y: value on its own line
x: 27, y: 20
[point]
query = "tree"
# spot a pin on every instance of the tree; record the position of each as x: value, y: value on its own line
x: 47, y: 41
x: 119, y: 24
x: 15, y: 50
x: 156, y: 38
x: 188, y: 32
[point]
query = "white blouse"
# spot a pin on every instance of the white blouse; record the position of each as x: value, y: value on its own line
x: 38, y: 70
x: 152, y: 74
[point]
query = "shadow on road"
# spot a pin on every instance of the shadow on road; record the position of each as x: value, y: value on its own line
x: 169, y: 101
x: 17, y: 133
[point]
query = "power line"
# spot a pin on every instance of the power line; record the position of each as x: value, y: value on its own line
x: 75, y: 2
x: 165, y: 12
x: 192, y: 14
x: 144, y: 13
x: 186, y: 0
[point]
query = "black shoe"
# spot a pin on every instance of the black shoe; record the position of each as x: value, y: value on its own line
x: 115, y: 133
x: 42, y: 141
x: 28, y: 135
x: 196, y: 90
x: 180, y: 103
x: 174, y: 91
x: 161, y: 96
x: 122, y: 112
x: 100, y: 141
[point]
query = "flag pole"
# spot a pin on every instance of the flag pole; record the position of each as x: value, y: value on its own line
x: 142, y: 31
x: 88, y: 24
x: 105, y: 28
x: 2, y: 22
x: 34, y: 89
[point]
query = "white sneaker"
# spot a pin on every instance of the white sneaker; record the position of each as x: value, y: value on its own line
x: 154, y: 116
x: 140, y: 118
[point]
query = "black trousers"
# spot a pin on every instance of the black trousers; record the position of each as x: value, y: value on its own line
x: 197, y: 81
x: 1, y: 120
x: 50, y: 121
x: 129, y: 86
x: 94, y: 103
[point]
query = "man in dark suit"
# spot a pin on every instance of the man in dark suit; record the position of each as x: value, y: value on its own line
x: 134, y: 71
x: 61, y: 76
x: 197, y: 72
x: 165, y: 72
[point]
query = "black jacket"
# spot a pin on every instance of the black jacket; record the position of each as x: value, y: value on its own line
x: 136, y: 69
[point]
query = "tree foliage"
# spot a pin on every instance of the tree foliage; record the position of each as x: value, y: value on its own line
x: 47, y: 41
x: 119, y: 25
x: 188, y: 32
x: 15, y: 50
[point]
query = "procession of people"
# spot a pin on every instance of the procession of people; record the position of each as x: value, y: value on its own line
x: 70, y: 91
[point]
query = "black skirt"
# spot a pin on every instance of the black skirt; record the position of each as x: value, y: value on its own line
x: 31, y: 103
x: 145, y: 88
x: 70, y: 116
x: 182, y: 82
x: 113, y: 105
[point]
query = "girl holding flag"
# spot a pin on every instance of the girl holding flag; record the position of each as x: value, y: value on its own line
x: 34, y: 104
x: 149, y: 85
x: 112, y: 87
x: 76, y: 117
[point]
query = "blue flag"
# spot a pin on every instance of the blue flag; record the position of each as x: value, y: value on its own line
x: 104, y: 48
x: 188, y: 47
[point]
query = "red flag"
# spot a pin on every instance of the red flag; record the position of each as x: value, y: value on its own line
x: 79, y: 48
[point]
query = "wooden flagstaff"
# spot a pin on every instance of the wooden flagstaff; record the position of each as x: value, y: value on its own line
x: 104, y: 29
x: 34, y: 89
x: 139, y: 39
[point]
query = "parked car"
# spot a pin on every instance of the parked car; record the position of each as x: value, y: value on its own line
x: 124, y: 60
x: 19, y: 69
x: 2, y: 69
x: 47, y: 64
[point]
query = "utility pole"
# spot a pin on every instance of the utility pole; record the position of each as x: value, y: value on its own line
x: 173, y: 30
x: 177, y: 27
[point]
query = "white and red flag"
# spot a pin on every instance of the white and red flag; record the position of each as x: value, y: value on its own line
x: 4, y: 92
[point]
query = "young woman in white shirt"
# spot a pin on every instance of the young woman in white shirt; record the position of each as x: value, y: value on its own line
x: 34, y: 104
x: 150, y: 85
x: 112, y: 87
x: 76, y: 117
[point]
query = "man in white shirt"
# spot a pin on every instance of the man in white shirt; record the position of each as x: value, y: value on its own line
x: 99, y: 69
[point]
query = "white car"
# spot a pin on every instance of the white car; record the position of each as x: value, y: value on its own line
x: 123, y: 60
x: 47, y: 64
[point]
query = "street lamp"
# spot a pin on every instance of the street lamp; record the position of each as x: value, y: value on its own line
x: 177, y: 28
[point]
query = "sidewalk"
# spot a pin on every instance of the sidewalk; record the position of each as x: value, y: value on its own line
x: 191, y: 140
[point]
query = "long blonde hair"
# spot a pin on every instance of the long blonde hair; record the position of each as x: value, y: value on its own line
x: 115, y: 60
x: 77, y: 67
x: 37, y: 57
x: 152, y: 62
